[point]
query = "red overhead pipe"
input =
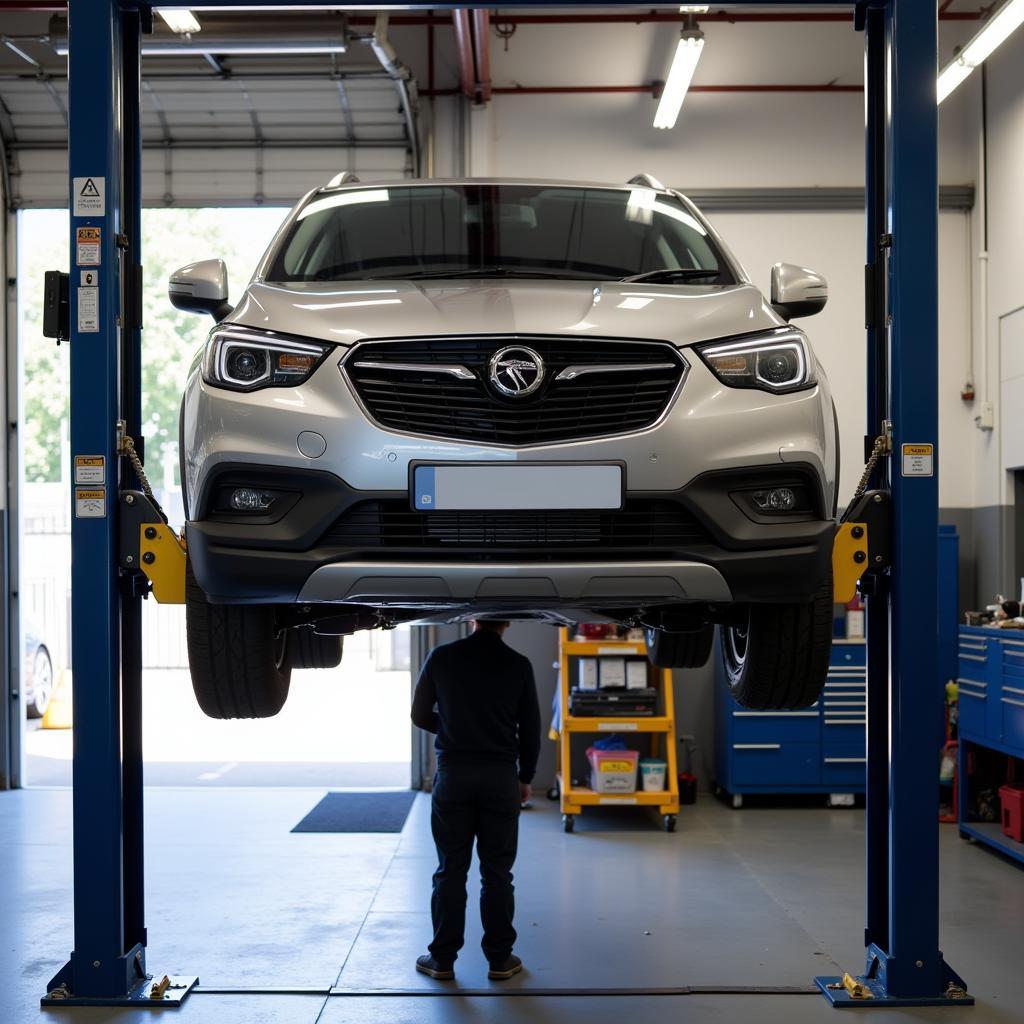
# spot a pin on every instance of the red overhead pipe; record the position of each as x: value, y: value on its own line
x: 653, y: 89
x: 482, y: 52
x: 464, y: 48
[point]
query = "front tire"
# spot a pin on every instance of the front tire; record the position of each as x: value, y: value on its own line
x: 680, y: 650
x: 237, y: 657
x: 778, y: 659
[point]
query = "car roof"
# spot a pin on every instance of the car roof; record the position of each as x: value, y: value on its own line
x: 358, y: 185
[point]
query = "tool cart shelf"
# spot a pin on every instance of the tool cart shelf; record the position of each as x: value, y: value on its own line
x: 575, y: 798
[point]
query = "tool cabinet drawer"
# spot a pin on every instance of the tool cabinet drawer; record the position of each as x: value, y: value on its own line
x: 844, y: 764
x: 847, y: 655
x: 1012, y: 700
x: 775, y: 726
x: 972, y: 703
x: 972, y: 657
x: 775, y: 764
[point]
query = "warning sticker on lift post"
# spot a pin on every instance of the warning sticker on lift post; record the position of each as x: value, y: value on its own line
x: 87, y: 247
x: 90, y: 503
x: 89, y: 197
x: 88, y: 310
x: 918, y: 460
x: 90, y: 469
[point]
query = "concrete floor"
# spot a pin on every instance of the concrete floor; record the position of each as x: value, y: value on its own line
x: 759, y: 897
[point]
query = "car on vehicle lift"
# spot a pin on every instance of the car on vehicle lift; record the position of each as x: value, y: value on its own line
x: 560, y: 401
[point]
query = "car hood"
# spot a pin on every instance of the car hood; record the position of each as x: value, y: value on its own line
x: 347, y: 312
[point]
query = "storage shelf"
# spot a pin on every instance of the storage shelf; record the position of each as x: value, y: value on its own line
x: 647, y: 723
x: 588, y: 798
x: 575, y: 798
x: 991, y: 834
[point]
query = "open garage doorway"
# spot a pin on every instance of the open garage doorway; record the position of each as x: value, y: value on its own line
x: 343, y: 727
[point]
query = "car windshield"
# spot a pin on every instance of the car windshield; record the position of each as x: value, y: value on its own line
x: 487, y: 230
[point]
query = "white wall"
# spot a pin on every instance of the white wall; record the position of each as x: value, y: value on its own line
x: 1005, y: 249
x: 756, y: 140
x: 833, y: 244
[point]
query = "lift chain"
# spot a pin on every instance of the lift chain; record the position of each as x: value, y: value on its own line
x: 882, y: 446
x: 126, y: 447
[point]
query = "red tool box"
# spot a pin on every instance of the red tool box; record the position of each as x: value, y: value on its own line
x: 1011, y: 800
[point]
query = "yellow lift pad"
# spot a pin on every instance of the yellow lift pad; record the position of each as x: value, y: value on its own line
x: 849, y: 560
x: 162, y: 559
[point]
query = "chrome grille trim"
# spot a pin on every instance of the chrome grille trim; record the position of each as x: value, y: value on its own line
x: 466, y: 411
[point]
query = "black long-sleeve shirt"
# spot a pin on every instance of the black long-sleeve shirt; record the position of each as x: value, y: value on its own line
x: 486, y: 702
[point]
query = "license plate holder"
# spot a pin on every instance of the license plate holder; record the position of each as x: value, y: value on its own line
x: 517, y: 486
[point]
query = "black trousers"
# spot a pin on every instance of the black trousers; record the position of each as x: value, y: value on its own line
x: 481, y: 802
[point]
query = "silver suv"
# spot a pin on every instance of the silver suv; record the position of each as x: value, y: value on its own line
x: 519, y: 399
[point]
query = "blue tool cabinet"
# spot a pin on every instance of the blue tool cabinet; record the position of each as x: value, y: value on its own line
x: 990, y: 680
x: 820, y: 750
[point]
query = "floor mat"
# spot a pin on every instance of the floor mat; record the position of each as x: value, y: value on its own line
x: 378, y: 811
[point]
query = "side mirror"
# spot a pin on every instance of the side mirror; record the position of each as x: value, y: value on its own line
x: 797, y: 291
x: 201, y: 288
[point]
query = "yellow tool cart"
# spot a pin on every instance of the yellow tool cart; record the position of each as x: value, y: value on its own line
x: 660, y: 726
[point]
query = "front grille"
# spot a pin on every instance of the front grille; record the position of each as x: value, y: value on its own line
x: 438, y: 404
x: 642, y: 525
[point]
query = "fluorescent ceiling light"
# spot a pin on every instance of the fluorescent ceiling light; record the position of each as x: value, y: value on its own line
x: 694, y: 9
x: 995, y: 31
x: 182, y: 22
x: 684, y: 64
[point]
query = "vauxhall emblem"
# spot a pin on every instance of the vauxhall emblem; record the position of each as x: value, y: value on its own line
x: 516, y: 371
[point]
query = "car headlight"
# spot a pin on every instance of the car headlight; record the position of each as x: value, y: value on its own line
x: 246, y: 359
x: 777, y: 362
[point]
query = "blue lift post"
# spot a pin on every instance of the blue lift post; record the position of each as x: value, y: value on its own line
x: 904, y: 963
x: 108, y: 964
x: 905, y: 966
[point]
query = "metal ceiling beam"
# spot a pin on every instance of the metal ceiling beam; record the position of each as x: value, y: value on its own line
x: 731, y: 16
x: 59, y: 145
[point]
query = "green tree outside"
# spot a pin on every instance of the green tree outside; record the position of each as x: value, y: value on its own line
x: 170, y: 338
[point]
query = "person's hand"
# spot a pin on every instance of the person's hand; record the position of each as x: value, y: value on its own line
x: 525, y: 792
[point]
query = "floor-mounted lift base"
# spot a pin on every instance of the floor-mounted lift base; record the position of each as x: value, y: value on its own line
x: 841, y: 998
x: 142, y: 995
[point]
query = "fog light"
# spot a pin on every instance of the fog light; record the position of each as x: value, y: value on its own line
x: 778, y: 499
x: 247, y: 499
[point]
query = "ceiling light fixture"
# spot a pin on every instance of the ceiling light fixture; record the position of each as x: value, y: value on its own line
x: 182, y: 22
x: 995, y: 31
x: 684, y: 64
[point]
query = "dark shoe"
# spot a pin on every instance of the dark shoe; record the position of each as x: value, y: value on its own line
x: 505, y: 969
x: 426, y: 964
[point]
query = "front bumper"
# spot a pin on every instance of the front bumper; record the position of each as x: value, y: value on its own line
x: 715, y: 553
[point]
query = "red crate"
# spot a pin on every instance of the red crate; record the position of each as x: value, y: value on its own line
x: 1011, y: 800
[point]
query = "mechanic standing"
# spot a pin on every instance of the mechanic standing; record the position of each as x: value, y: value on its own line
x: 478, y: 696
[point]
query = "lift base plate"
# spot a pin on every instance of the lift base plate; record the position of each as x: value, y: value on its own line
x: 836, y: 993
x: 142, y: 995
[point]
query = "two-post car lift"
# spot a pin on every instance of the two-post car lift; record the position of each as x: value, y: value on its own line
x: 108, y: 965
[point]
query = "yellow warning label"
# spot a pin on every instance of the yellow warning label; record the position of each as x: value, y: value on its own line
x: 87, y: 249
x: 614, y: 766
x: 90, y: 504
x: 918, y: 460
x: 90, y: 469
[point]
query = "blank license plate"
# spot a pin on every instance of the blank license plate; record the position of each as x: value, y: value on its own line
x: 517, y: 486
